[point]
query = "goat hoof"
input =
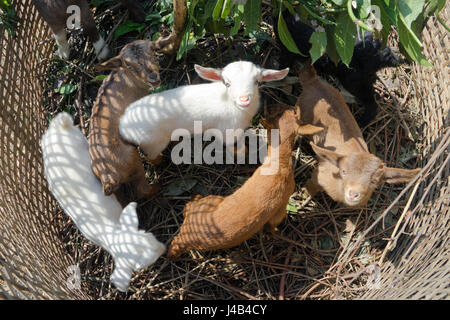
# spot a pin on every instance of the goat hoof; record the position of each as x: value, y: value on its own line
x: 63, y: 53
x: 270, y: 230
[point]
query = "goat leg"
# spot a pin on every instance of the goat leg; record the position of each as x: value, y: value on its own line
x: 141, y: 187
x: 91, y: 32
x: 273, y: 223
x: 312, y: 185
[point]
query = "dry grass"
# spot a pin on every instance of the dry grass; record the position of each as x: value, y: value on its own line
x: 303, y: 260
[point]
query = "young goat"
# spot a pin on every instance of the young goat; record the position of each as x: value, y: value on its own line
x: 356, y: 80
x: 216, y: 222
x: 100, y: 218
x: 54, y: 12
x: 230, y: 102
x: 346, y: 170
x: 114, y: 161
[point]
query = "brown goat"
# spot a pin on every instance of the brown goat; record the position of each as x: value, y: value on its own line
x: 347, y: 171
x: 217, y: 222
x: 54, y: 12
x: 114, y: 161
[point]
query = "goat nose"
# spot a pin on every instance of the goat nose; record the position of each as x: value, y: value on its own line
x: 353, y: 195
x: 244, y: 99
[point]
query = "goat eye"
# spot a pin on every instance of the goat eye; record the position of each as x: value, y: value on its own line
x: 226, y: 83
x: 343, y: 172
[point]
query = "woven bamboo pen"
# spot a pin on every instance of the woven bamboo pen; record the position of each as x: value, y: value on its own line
x: 34, y: 262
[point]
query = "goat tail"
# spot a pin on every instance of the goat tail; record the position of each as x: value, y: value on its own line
x: 62, y: 121
x: 307, y: 73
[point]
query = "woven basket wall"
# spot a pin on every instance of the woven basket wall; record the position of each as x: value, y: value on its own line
x: 33, y: 263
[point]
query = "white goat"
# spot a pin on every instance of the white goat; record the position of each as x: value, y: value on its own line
x: 230, y: 102
x: 100, y: 218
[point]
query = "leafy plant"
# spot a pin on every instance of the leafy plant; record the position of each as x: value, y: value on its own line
x: 8, y: 18
x: 337, y: 22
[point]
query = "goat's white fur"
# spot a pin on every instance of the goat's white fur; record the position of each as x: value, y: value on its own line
x: 100, y: 218
x: 63, y: 46
x: 101, y: 48
x: 150, y: 121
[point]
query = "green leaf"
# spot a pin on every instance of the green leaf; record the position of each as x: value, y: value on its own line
x: 385, y: 18
x: 285, y: 36
x: 153, y: 16
x: 389, y: 8
x: 5, y: 4
x: 226, y: 9
x: 99, y: 78
x: 318, y: 17
x: 252, y: 15
x: 410, y: 10
x: 217, y: 10
x: 410, y: 45
x: 345, y: 31
x: 207, y: 13
x: 331, y: 44
x: 289, y: 7
x: 237, y: 23
x: 187, y: 42
x: 67, y: 88
x: 411, y: 32
x: 363, y: 8
x: 291, y: 208
x: 339, y: 2
x: 155, y: 36
x: 180, y: 186
x: 127, y: 27
x: 302, y: 13
x: 319, y: 45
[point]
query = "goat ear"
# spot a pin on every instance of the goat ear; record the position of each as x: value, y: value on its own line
x: 328, y: 155
x: 273, y: 75
x: 111, y: 64
x: 395, y: 175
x: 210, y: 74
x: 308, y: 129
x: 266, y: 124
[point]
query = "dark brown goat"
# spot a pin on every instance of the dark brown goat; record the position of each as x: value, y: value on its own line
x: 217, y: 222
x: 54, y: 12
x: 114, y: 161
x: 347, y: 171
